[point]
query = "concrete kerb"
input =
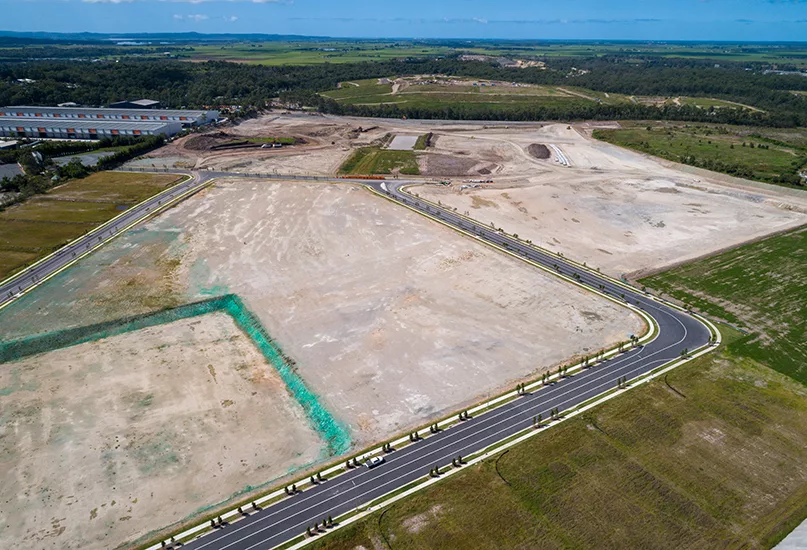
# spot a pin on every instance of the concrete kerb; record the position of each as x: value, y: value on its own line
x: 496, y: 448
x: 527, y: 260
x: 102, y: 227
x: 488, y: 406
x: 485, y: 407
x: 338, y: 468
x: 405, y: 188
x: 584, y: 267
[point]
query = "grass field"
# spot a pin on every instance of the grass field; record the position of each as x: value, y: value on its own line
x: 420, y: 144
x: 310, y: 52
x: 336, y: 51
x: 713, y: 455
x: 414, y: 92
x: 373, y: 92
x: 761, y: 287
x: 117, y: 187
x: 42, y: 224
x: 736, y: 151
x: 722, y: 467
x: 372, y: 160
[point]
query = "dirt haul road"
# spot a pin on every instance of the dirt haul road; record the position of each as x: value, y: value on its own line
x: 615, y: 209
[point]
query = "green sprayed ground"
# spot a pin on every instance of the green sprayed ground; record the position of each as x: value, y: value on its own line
x: 329, y: 428
x: 722, y: 149
x: 42, y: 224
x: 761, y: 287
x: 371, y: 160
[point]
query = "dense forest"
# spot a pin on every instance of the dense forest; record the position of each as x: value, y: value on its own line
x: 178, y: 84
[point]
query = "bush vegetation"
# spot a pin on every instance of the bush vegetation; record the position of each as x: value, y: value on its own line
x: 41, y: 173
x: 729, y: 150
x: 178, y: 84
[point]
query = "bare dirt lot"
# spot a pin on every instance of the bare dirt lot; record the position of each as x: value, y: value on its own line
x: 326, y: 143
x: 613, y: 208
x: 392, y: 319
x: 105, y: 441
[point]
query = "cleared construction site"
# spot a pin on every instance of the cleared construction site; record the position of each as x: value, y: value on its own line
x: 270, y: 326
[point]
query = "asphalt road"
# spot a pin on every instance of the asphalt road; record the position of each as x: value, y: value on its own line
x: 34, y: 275
x: 290, y: 517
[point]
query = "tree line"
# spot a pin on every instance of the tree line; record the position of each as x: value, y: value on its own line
x: 178, y: 84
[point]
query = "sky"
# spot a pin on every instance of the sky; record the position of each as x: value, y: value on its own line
x: 736, y: 20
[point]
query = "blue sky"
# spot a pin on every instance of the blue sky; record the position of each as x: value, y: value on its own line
x: 746, y: 20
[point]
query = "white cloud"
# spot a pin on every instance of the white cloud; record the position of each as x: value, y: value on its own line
x: 479, y: 20
x: 231, y: 18
x: 196, y: 17
x: 189, y: 1
x: 202, y: 1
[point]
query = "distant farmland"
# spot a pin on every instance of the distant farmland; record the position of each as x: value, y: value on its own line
x: 430, y: 93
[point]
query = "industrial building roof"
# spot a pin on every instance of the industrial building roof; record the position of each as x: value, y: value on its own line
x: 40, y: 122
x: 145, y: 102
x: 102, y: 111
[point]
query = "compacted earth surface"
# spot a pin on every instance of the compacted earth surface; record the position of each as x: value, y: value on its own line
x: 390, y: 319
x: 106, y: 441
x: 622, y: 211
x: 612, y: 208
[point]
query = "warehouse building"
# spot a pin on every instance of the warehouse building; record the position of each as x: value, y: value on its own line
x: 136, y: 104
x: 184, y: 117
x: 56, y: 128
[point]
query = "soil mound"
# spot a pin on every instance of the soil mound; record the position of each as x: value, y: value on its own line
x: 205, y: 142
x: 539, y: 151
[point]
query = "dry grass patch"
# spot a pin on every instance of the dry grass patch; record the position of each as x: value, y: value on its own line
x: 120, y: 187
x: 40, y: 225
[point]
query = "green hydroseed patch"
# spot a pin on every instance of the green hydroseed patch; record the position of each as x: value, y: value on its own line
x: 331, y: 430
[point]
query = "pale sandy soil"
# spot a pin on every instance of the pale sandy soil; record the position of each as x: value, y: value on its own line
x: 613, y: 208
x: 329, y: 143
x: 392, y: 319
x: 105, y: 441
